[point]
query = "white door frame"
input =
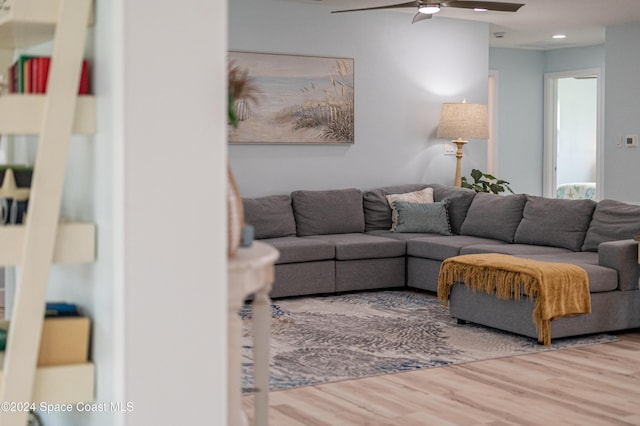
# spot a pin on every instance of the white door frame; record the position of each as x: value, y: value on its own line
x: 492, y: 143
x: 550, y: 128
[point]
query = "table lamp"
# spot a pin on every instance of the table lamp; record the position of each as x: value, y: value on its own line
x: 462, y: 120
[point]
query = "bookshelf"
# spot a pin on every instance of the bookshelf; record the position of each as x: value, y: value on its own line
x: 22, y: 114
x: 44, y: 238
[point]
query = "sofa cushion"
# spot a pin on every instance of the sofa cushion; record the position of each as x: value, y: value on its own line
x: 377, y: 212
x: 423, y: 217
x: 494, y: 216
x: 600, y: 278
x: 513, y: 249
x: 270, y: 217
x: 337, y: 211
x: 555, y: 222
x: 459, y: 201
x: 575, y: 257
x: 402, y: 236
x: 441, y: 247
x: 296, y: 249
x: 362, y: 246
x: 423, y: 196
x: 612, y: 220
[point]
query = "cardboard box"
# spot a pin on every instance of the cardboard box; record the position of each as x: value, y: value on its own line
x: 65, y: 340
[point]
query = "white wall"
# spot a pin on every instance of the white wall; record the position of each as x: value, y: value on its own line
x: 403, y: 73
x: 521, y: 106
x: 520, y: 130
x: 622, y: 111
x: 153, y: 179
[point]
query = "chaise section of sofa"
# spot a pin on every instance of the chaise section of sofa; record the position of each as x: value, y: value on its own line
x: 568, y: 227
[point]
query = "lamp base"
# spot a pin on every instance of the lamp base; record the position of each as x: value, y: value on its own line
x: 459, y: 143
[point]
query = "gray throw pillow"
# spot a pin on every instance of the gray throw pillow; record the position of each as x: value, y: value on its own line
x: 337, y: 211
x: 271, y: 216
x: 377, y: 212
x: 494, y: 216
x: 612, y: 220
x: 422, y: 196
x: 555, y: 222
x: 459, y: 201
x: 422, y: 217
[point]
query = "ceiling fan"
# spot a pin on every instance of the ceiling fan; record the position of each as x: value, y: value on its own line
x: 427, y: 9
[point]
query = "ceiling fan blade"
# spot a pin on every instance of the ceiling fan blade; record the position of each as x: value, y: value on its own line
x: 489, y: 5
x: 421, y: 17
x: 391, y: 6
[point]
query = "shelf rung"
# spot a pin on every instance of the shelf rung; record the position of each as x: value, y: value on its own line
x: 22, y: 114
x: 75, y: 243
x: 64, y: 384
x: 25, y: 23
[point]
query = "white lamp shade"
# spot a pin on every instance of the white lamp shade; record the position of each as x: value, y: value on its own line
x: 463, y: 120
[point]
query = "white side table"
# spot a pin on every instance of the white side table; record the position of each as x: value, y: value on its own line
x: 251, y: 271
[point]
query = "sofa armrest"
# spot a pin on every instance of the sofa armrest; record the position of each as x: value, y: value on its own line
x: 621, y: 255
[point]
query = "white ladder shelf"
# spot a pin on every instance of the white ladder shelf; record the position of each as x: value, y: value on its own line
x: 37, y: 243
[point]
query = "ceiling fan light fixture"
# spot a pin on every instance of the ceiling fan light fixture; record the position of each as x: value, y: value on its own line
x: 429, y: 8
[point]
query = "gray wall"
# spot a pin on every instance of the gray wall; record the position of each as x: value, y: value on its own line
x: 403, y: 73
x: 521, y: 98
x: 520, y: 106
x: 575, y: 58
x: 622, y: 111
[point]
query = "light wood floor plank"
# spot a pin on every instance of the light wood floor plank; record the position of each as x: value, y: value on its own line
x: 591, y: 385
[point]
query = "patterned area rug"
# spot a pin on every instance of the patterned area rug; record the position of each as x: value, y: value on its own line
x: 324, y: 339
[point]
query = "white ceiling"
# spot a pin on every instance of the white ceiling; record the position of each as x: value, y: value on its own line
x: 583, y: 21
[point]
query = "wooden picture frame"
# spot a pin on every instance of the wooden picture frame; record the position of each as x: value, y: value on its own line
x: 294, y: 99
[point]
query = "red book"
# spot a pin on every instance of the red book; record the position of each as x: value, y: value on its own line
x: 84, y: 79
x: 83, y: 88
x: 42, y: 73
x: 34, y: 75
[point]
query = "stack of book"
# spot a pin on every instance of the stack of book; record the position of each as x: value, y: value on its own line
x: 29, y: 74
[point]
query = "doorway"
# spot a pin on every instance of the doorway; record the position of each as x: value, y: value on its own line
x: 573, y: 134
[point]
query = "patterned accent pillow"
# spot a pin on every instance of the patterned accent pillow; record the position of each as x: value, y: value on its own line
x: 423, y: 217
x: 423, y: 196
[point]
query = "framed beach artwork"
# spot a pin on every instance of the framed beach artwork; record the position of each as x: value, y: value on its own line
x: 294, y: 99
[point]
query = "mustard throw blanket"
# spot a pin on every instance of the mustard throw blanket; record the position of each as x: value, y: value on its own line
x: 559, y: 289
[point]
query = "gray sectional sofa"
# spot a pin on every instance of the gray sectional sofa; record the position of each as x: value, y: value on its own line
x: 341, y: 240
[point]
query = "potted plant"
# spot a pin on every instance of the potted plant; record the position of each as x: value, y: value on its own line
x: 484, y: 182
x: 240, y: 87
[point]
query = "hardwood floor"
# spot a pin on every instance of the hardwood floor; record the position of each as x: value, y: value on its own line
x: 587, y: 386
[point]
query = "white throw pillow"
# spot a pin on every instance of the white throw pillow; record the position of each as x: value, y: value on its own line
x: 423, y: 196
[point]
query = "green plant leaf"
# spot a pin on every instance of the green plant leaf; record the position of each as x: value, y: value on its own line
x: 233, y: 118
x: 476, y: 175
x: 484, y: 182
